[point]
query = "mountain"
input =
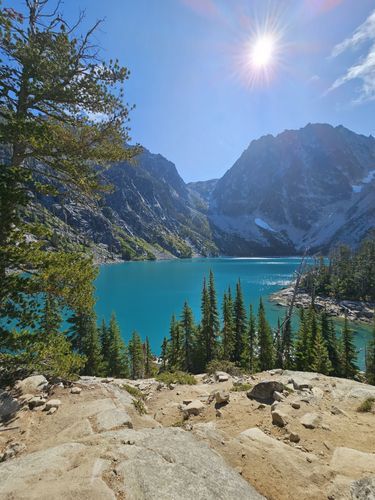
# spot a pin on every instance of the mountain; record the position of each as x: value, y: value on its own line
x: 312, y: 187
x: 148, y: 214
x: 308, y: 188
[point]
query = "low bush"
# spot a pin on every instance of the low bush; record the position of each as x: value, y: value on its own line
x: 139, y: 406
x: 133, y: 391
x: 238, y: 387
x: 218, y: 365
x: 178, y: 377
x: 366, y: 405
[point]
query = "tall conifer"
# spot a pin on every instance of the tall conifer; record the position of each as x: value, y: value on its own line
x: 249, y: 357
x: 320, y: 359
x: 239, y: 323
x: 370, y: 358
x: 188, y: 337
x: 227, y: 332
x: 348, y: 352
x: 136, y: 357
x: 266, y: 355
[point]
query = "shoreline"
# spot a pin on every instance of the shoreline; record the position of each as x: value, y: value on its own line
x: 356, y: 311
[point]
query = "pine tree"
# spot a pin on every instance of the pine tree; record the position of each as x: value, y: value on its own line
x: 52, y: 81
x: 214, y: 324
x: 148, y: 359
x: 188, y: 335
x: 327, y: 328
x: 312, y: 322
x: 117, y: 362
x: 278, y: 346
x: 348, y: 352
x: 266, y: 355
x: 164, y: 354
x: 205, y: 324
x: 104, y: 340
x: 249, y: 356
x: 320, y: 359
x: 136, y: 357
x: 227, y: 332
x: 302, y: 344
x: 85, y: 338
x: 175, y: 354
x: 370, y: 359
x: 239, y: 323
x: 51, y: 317
x: 287, y: 344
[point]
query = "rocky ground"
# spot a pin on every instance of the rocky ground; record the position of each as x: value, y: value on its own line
x: 291, y: 435
x: 355, y: 310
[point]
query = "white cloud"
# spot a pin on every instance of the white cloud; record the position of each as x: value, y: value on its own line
x: 364, y: 69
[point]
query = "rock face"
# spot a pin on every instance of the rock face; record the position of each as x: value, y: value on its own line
x: 312, y: 187
x: 264, y: 391
x: 149, y: 214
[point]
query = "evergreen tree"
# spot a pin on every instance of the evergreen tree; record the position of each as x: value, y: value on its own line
x: 249, y: 357
x: 278, y: 346
x: 164, y: 354
x: 84, y: 336
x: 320, y: 359
x: 266, y: 355
x: 327, y: 328
x: 312, y: 322
x: 148, y: 359
x: 136, y: 357
x: 204, y: 334
x: 214, y: 325
x: 175, y: 355
x: 188, y: 335
x: 348, y: 352
x: 239, y: 323
x: 227, y: 332
x: 52, y: 81
x: 104, y: 340
x: 370, y: 359
x: 117, y: 362
x: 302, y: 344
x: 51, y: 316
x: 287, y: 344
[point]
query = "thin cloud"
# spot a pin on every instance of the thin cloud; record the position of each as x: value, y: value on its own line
x: 363, y: 70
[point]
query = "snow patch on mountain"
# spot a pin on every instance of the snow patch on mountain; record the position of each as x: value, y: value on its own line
x: 357, y: 188
x: 261, y: 223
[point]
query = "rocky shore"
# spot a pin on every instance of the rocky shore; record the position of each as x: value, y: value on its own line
x: 277, y: 435
x: 355, y: 310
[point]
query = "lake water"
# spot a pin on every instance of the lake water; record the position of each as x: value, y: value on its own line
x: 144, y: 295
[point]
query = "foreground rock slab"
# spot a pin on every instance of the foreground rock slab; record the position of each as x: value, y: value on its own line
x: 169, y: 464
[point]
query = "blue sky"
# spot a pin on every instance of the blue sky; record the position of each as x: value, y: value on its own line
x: 197, y: 100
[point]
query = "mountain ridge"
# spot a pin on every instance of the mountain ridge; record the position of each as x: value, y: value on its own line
x: 307, y: 188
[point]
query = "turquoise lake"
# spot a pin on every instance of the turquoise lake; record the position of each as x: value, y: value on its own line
x: 144, y: 295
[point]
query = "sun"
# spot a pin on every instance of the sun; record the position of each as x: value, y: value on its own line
x: 263, y: 51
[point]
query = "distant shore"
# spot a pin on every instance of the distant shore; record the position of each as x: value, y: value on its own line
x: 355, y: 310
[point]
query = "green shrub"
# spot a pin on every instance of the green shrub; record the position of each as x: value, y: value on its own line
x: 366, y: 405
x: 178, y: 377
x: 238, y: 387
x: 139, y: 406
x: 218, y: 365
x: 133, y: 391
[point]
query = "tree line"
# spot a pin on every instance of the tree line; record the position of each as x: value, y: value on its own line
x: 348, y: 274
x: 245, y: 339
